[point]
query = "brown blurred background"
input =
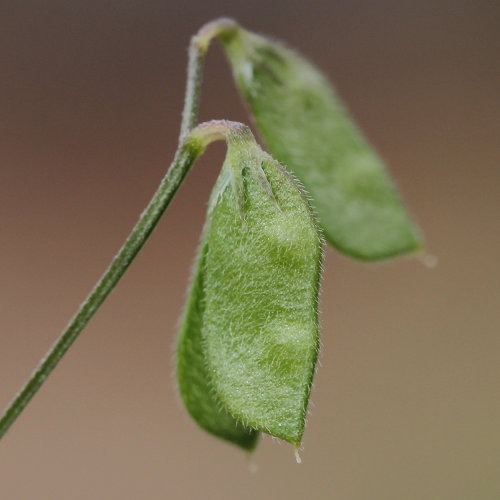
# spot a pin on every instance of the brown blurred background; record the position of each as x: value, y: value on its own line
x: 406, y: 402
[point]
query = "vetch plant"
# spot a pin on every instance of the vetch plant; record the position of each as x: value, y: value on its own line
x: 248, y: 341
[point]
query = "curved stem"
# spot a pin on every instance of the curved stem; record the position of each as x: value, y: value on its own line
x: 183, y: 160
x: 196, y: 60
x: 188, y: 150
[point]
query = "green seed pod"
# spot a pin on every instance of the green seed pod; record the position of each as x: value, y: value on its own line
x: 257, y: 296
x: 307, y: 129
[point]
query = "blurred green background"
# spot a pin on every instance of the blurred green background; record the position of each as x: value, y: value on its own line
x: 406, y: 400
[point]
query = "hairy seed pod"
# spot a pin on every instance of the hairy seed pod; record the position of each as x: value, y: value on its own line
x: 307, y: 129
x: 259, y: 272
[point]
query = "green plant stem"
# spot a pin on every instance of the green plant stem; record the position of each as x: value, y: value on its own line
x: 184, y: 159
x: 188, y: 151
x: 196, y: 59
